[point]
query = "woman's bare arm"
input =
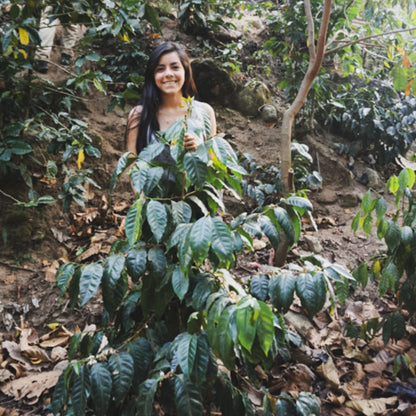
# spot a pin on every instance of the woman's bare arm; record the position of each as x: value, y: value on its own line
x: 133, y: 122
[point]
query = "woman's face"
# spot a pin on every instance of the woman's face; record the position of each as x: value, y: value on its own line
x: 170, y: 74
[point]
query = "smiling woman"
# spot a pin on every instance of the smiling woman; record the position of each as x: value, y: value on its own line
x: 168, y: 80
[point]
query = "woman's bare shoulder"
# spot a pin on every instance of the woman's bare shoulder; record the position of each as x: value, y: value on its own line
x: 206, y: 107
x: 136, y: 111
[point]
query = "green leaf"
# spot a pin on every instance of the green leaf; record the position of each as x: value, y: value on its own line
x: 222, y: 241
x: 151, y: 14
x: 259, y: 286
x: 89, y: 282
x: 195, y: 168
x: 180, y: 283
x: 248, y: 311
x: 134, y: 221
x: 186, y: 352
x: 367, y: 203
x: 141, y: 351
x: 200, y: 238
x: 403, y: 179
x: 205, y: 286
x: 101, y: 384
x: 389, y: 278
x: 307, y: 405
x: 282, y: 289
x: 394, y: 327
x: 64, y: 275
x: 151, y: 151
x: 361, y: 274
x: 265, y: 328
x: 407, y: 235
x: 381, y: 208
x: 60, y: 394
x: 284, y: 220
x: 157, y: 219
x: 122, y: 370
x: 136, y: 262
x: 188, y: 400
x: 154, y: 175
x: 181, y: 212
x: 80, y: 391
x: 299, y: 202
x: 147, y: 391
x: 157, y: 260
x: 123, y: 163
x: 285, y: 408
x: 310, y: 287
x: 113, y: 267
x: 269, y: 229
x: 393, y: 235
x: 227, y: 336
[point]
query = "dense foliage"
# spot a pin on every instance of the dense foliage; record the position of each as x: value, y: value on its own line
x: 395, y: 270
x: 355, y: 93
x: 176, y: 321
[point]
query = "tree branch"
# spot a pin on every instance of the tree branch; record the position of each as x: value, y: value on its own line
x: 354, y: 42
x: 311, y: 30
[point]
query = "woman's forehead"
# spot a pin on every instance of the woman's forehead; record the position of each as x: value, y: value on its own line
x: 169, y: 58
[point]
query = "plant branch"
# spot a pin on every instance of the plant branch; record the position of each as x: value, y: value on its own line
x: 354, y: 42
x: 9, y: 196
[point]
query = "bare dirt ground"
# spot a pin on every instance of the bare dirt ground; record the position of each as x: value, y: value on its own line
x: 40, y: 239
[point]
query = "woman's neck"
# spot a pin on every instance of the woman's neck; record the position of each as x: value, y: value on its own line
x: 171, y: 102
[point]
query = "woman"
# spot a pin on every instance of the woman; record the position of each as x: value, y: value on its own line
x: 168, y: 79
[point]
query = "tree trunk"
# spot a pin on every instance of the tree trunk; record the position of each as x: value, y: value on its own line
x: 315, y: 62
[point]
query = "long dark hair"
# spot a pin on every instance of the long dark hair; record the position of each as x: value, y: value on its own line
x: 150, y: 100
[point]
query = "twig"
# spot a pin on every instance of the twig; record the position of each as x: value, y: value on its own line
x: 9, y: 196
x: 12, y: 266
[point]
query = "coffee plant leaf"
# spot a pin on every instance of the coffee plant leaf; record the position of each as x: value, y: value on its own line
x: 157, y: 219
x: 265, y: 327
x: 126, y: 160
x: 394, y: 327
x: 188, y: 400
x: 311, y: 290
x: 200, y: 238
x: 157, y: 260
x: 89, y: 282
x: 113, y: 267
x: 181, y: 212
x: 299, y: 202
x: 101, y: 385
x: 139, y: 177
x: 307, y: 404
x: 222, y: 241
x: 227, y: 336
x: 134, y: 222
x: 285, y: 408
x: 151, y: 151
x: 393, y: 235
x: 285, y: 222
x: 142, y: 354
x: 336, y: 272
x: 64, y: 275
x: 147, y: 391
x: 270, y: 230
x: 195, y: 168
x: 199, y: 204
x: 282, y: 289
x: 407, y: 235
x: 381, y: 208
x: 80, y: 391
x: 203, y: 289
x: 60, y: 394
x: 259, y: 286
x: 180, y: 283
x: 136, y: 260
x: 248, y: 311
x: 154, y: 175
x: 121, y: 366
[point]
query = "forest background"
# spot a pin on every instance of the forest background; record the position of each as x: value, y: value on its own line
x: 187, y: 311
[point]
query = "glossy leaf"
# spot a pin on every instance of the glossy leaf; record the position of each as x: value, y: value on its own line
x: 310, y: 287
x: 64, y: 275
x: 285, y: 222
x: 180, y: 283
x: 270, y: 230
x: 248, y: 312
x: 101, y: 384
x: 157, y: 219
x: 393, y: 235
x: 134, y: 221
x: 147, y: 391
x: 188, y: 400
x: 200, y: 238
x: 307, y: 405
x: 157, y: 260
x: 142, y: 355
x: 222, y: 241
x: 121, y: 366
x: 136, y: 260
x: 125, y: 161
x: 265, y: 327
x: 299, y: 202
x: 282, y: 289
x: 113, y: 267
x: 89, y: 282
x: 181, y: 212
x: 195, y: 168
x: 227, y: 336
x: 259, y: 286
x: 80, y: 391
x: 154, y: 175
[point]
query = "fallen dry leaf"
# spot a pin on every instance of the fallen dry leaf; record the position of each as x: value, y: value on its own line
x: 31, y: 386
x: 54, y: 342
x: 329, y: 372
x: 373, y: 406
x: 354, y: 390
x: 376, y: 384
x: 334, y: 399
x: 375, y: 368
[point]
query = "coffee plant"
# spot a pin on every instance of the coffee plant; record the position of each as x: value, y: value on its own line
x: 176, y: 322
x: 394, y: 270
